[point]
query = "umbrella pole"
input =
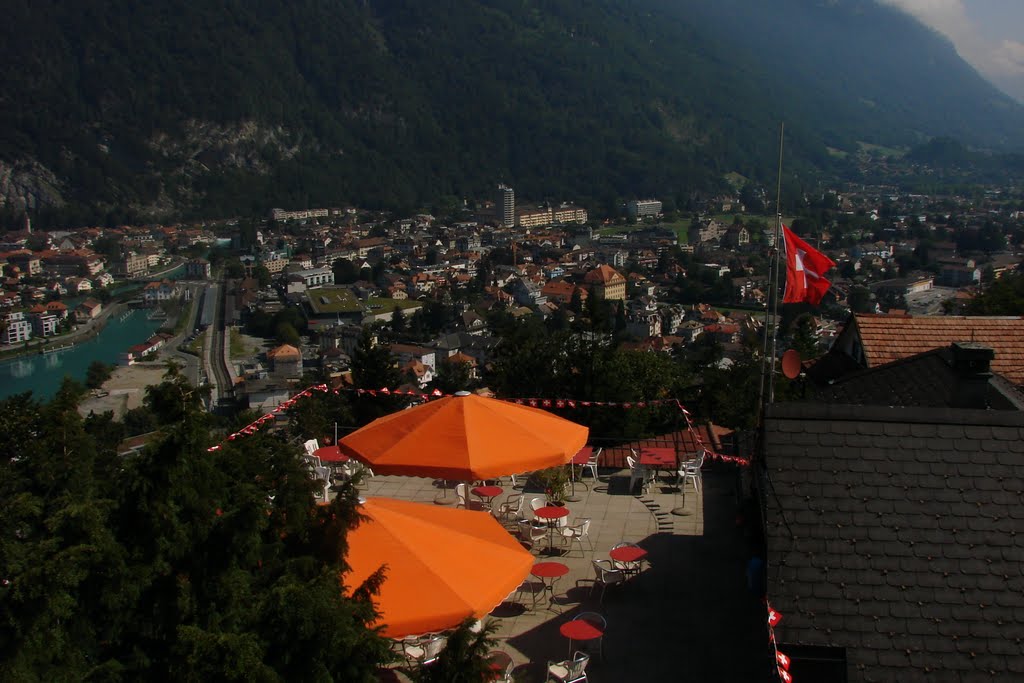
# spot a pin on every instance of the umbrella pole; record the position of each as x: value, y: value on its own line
x: 572, y: 497
x: 444, y: 499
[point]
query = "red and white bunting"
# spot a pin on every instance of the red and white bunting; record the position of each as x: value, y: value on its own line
x: 558, y: 403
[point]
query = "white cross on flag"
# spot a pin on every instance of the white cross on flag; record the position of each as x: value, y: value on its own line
x: 805, y: 270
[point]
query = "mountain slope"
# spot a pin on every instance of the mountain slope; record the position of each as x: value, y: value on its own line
x: 232, y: 107
x: 867, y: 68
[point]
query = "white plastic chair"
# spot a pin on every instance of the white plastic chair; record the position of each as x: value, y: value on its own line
x: 312, y: 445
x: 510, y: 509
x: 531, y: 533
x: 591, y: 464
x: 322, y: 476
x: 534, y: 588
x: 605, y: 575
x: 578, y: 532
x: 690, y: 470
x: 637, y: 472
x: 424, y: 651
x: 571, y: 670
x: 537, y: 503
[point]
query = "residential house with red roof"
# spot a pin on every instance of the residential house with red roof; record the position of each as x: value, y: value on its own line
x: 88, y: 310
x: 871, y: 340
x: 560, y: 291
x: 606, y: 283
x: 285, y: 361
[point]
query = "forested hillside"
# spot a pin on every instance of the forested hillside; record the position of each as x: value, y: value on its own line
x: 115, y: 109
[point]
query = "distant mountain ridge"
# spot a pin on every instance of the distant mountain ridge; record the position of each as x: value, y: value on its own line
x: 119, y: 109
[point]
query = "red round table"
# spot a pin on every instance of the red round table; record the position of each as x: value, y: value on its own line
x: 330, y: 454
x: 579, y: 629
x: 551, y: 514
x: 629, y: 555
x: 549, y: 572
x: 486, y: 492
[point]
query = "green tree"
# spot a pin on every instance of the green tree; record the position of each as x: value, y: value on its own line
x: 234, y: 270
x: 315, y: 416
x: 576, y: 301
x: 345, y: 272
x: 286, y: 333
x: 451, y: 376
x: 177, y: 562
x: 374, y: 368
x: 860, y: 299
x: 262, y: 276
x: 139, y: 420
x: 98, y: 373
x: 398, y: 323
x: 805, y: 340
x: 1004, y: 296
x: 464, y: 658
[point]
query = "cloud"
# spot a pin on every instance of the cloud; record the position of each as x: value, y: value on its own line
x: 947, y: 16
x: 1008, y: 57
x: 951, y: 18
x: 999, y: 60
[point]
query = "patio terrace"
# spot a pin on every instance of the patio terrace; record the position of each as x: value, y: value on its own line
x: 688, y: 615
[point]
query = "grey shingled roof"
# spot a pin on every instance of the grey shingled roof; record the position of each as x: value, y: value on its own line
x: 924, y: 380
x: 898, y: 534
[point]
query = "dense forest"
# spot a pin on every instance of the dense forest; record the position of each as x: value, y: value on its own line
x: 173, y: 563
x: 115, y: 110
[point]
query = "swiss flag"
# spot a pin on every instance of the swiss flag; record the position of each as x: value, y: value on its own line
x: 805, y: 270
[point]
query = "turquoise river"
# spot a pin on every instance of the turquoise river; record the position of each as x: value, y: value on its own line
x: 42, y: 373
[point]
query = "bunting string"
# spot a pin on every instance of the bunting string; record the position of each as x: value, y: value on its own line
x: 782, y: 661
x: 545, y: 403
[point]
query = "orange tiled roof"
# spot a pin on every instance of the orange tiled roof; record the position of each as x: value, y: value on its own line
x: 284, y: 351
x: 604, y: 273
x: 889, y: 338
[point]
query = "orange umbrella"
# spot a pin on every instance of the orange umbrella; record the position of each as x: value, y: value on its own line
x: 465, y: 437
x: 442, y: 565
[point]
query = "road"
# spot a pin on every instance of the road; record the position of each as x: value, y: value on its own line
x: 192, y: 367
x: 212, y: 365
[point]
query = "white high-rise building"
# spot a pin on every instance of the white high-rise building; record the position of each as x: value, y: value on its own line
x: 506, y: 206
x: 641, y: 208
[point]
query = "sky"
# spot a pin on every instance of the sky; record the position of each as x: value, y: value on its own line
x: 988, y: 34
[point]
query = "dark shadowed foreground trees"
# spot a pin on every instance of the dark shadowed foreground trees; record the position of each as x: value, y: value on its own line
x: 173, y: 563
x: 1005, y: 296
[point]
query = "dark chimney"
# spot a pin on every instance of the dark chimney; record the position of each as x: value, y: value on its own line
x: 971, y: 363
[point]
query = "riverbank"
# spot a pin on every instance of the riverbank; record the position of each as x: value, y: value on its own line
x: 82, y: 333
x: 90, y: 329
x: 105, y: 341
x: 124, y: 391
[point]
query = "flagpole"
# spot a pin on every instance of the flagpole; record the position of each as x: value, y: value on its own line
x: 772, y: 305
x: 778, y: 252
